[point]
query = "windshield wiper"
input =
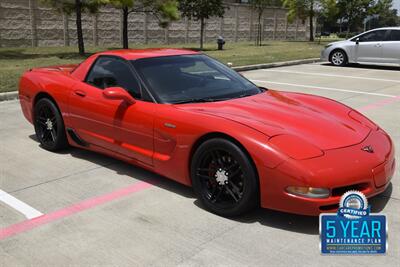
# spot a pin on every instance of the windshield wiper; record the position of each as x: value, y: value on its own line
x: 194, y: 100
x: 243, y: 95
x: 200, y: 100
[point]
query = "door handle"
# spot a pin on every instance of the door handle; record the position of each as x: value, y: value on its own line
x: 378, y: 45
x: 80, y: 93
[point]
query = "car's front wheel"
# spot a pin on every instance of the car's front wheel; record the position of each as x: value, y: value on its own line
x: 49, y: 125
x: 338, y: 58
x: 224, y: 178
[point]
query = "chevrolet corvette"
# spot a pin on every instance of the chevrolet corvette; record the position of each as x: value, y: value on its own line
x: 190, y: 118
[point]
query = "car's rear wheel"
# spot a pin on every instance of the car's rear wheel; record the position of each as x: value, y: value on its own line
x: 224, y: 178
x: 338, y: 58
x: 49, y: 125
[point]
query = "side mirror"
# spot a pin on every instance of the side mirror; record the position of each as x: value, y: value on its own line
x: 118, y: 93
x: 358, y: 41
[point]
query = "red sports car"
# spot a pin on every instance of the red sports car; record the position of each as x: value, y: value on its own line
x: 189, y: 117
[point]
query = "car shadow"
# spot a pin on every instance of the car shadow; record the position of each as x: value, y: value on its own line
x: 276, y: 219
x: 123, y: 168
x: 279, y: 220
x: 366, y: 66
x: 301, y: 223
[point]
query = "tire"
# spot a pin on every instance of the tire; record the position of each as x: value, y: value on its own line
x: 224, y: 178
x: 338, y: 58
x: 49, y: 126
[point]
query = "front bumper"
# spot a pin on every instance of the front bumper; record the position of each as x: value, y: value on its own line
x: 340, y: 170
x: 325, y: 54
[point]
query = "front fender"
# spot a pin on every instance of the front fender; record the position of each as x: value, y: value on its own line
x: 176, y: 132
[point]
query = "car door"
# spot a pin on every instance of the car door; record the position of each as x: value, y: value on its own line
x: 113, y: 124
x: 391, y: 47
x: 369, y: 46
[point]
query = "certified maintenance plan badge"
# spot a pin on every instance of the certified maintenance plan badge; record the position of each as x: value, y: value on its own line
x: 353, y: 230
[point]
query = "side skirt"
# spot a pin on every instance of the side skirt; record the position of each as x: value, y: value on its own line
x: 75, y: 137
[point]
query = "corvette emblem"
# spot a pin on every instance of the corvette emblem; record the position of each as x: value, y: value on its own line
x: 368, y: 149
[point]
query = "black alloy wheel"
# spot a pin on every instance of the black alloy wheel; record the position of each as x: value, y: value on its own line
x: 49, y: 125
x: 224, y: 178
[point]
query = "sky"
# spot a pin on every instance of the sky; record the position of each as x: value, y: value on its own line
x: 396, y: 4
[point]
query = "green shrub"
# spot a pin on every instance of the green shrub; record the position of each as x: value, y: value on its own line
x: 346, y: 35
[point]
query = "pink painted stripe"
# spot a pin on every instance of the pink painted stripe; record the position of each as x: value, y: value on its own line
x: 68, y: 211
x: 380, y: 104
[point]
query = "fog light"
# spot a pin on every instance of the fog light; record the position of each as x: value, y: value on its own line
x: 310, y: 192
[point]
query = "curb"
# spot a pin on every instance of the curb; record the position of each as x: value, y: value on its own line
x: 14, y: 95
x: 8, y: 96
x: 276, y: 64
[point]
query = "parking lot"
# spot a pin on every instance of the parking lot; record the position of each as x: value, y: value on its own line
x: 100, y: 211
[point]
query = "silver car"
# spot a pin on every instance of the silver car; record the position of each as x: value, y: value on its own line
x: 378, y: 46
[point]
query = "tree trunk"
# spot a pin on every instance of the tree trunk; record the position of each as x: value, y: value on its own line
x: 78, y: 10
x: 125, y: 38
x: 312, y: 21
x: 349, y: 22
x: 201, y: 33
x: 259, y: 30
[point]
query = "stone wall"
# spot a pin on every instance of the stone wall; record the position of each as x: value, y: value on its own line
x: 26, y: 23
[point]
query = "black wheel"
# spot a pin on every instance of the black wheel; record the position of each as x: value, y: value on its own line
x: 338, y: 58
x: 49, y: 125
x: 224, y: 178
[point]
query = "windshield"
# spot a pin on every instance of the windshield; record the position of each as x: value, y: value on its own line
x: 192, y: 78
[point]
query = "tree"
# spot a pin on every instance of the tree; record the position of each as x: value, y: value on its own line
x: 164, y: 10
x: 302, y: 9
x: 200, y: 10
x: 385, y: 15
x: 329, y: 11
x: 259, y: 6
x: 354, y: 12
x: 309, y: 9
x: 328, y: 15
x: 77, y: 6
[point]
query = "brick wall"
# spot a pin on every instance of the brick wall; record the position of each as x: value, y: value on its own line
x: 26, y: 23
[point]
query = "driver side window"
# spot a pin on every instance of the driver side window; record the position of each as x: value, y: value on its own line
x: 374, y: 36
x: 111, y: 72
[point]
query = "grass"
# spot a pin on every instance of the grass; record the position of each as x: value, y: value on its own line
x: 14, y: 61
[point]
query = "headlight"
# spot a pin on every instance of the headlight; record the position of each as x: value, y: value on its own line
x: 328, y: 45
x: 363, y: 120
x: 295, y: 147
x: 310, y: 192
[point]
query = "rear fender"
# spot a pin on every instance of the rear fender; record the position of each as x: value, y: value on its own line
x: 37, y: 84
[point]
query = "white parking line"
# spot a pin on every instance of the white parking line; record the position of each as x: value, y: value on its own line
x: 324, y: 88
x: 332, y: 75
x: 20, y: 206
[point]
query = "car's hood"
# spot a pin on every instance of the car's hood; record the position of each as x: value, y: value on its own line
x: 338, y: 43
x: 320, y: 121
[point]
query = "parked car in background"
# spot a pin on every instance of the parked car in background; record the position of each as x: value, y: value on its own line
x: 325, y: 33
x: 378, y: 46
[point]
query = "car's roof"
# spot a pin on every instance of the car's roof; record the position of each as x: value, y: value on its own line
x: 132, y: 54
x: 388, y: 28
